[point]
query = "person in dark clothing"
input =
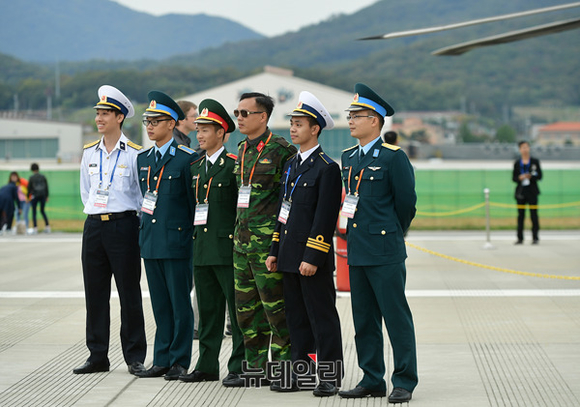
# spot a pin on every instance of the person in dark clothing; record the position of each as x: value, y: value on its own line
x: 526, y: 174
x: 38, y: 194
x: 8, y: 203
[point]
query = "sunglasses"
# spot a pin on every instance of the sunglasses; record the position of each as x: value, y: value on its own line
x: 244, y: 112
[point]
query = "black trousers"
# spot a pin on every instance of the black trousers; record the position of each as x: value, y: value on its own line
x: 111, y: 249
x: 529, y: 200
x: 312, y: 318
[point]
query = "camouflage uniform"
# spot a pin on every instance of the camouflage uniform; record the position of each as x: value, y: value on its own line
x: 259, y: 293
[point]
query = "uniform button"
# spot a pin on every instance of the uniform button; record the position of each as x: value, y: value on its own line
x: 142, y: 179
x: 205, y: 186
x: 231, y: 236
x: 356, y: 177
x: 107, y: 158
x: 372, y: 178
x: 292, y: 184
x: 354, y: 225
x: 193, y: 237
x: 179, y: 229
x: 153, y: 220
x: 155, y: 178
x: 383, y: 232
x: 219, y: 185
x: 169, y: 177
x: 205, y: 229
x: 285, y: 232
x: 305, y: 184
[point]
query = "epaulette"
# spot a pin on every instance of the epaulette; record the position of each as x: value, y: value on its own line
x: 282, y: 141
x: 350, y: 148
x: 91, y: 144
x: 232, y: 156
x: 186, y: 149
x: 391, y: 147
x: 291, y: 157
x: 133, y: 145
x: 326, y: 158
x: 199, y: 159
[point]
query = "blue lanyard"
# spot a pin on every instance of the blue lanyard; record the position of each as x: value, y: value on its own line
x: 286, y: 184
x: 523, y: 167
x: 112, y: 172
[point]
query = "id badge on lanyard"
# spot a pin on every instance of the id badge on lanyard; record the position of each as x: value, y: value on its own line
x: 349, y: 206
x: 284, y: 211
x: 101, y: 198
x: 201, y: 212
x: 149, y: 202
x: 244, y: 196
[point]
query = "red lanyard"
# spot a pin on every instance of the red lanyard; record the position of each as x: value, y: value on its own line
x: 254, y: 167
x: 359, y: 179
x: 197, y: 189
x: 158, y: 180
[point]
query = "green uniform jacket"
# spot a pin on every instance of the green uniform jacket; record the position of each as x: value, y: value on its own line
x: 167, y: 233
x: 213, y: 242
x: 386, y: 204
x: 255, y: 225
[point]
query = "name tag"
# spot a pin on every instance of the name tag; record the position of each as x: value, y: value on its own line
x: 201, y: 212
x: 149, y: 201
x: 349, y: 206
x: 101, y: 198
x: 525, y: 182
x: 244, y: 196
x: 284, y: 212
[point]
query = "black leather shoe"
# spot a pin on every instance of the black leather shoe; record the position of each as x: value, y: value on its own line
x: 136, y: 367
x: 519, y: 242
x: 175, y: 371
x: 275, y: 386
x: 535, y: 241
x: 233, y: 380
x: 325, y: 389
x: 360, y: 392
x: 92, y: 367
x: 154, y: 371
x: 400, y: 395
x: 198, y: 376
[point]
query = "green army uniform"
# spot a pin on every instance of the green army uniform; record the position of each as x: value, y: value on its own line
x: 259, y: 293
x: 215, y: 185
x: 384, y: 181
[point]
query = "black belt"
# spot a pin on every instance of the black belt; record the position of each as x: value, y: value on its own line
x: 112, y: 216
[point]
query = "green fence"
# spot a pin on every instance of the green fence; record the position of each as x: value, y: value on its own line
x: 441, y: 193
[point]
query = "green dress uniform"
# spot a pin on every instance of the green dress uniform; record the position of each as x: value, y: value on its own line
x: 259, y: 293
x: 165, y: 240
x: 385, y: 183
x: 213, y: 261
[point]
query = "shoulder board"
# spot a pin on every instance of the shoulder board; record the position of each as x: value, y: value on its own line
x: 291, y: 157
x: 199, y: 159
x: 94, y: 143
x: 144, y: 151
x: 281, y: 140
x: 326, y: 158
x: 186, y: 149
x: 232, y: 156
x: 133, y: 145
x: 391, y: 147
x: 350, y: 148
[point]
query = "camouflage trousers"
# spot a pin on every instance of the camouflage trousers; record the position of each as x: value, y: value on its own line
x: 260, y: 309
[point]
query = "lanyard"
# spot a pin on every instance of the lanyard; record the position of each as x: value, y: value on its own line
x: 255, y: 162
x: 286, y: 185
x: 359, y: 180
x: 158, y: 180
x: 112, y: 172
x: 523, y: 166
x: 197, y: 190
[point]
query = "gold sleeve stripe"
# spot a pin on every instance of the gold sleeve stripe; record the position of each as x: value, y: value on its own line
x: 319, y: 240
x: 317, y: 247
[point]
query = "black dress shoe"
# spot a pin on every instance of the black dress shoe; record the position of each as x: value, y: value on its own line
x: 233, y: 380
x: 325, y: 389
x: 276, y: 386
x: 400, y: 395
x: 154, y: 371
x: 136, y: 367
x: 92, y: 367
x: 535, y: 241
x: 175, y: 371
x: 519, y: 242
x: 198, y: 376
x: 360, y: 392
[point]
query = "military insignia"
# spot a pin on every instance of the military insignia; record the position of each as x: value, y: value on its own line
x: 92, y: 165
x: 232, y: 156
x: 204, y: 112
x: 390, y: 146
x: 265, y: 161
x: 221, y: 161
x: 172, y: 151
x: 91, y: 144
x: 195, y: 177
x: 122, y: 166
x: 153, y: 105
x: 104, y: 98
x: 144, y: 168
x: 374, y: 168
x: 133, y: 145
x: 299, y: 105
x: 375, y: 153
x: 184, y: 148
x: 261, y: 146
x: 355, y: 98
x: 122, y: 145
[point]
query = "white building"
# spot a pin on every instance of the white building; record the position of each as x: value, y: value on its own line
x: 39, y: 139
x: 285, y: 88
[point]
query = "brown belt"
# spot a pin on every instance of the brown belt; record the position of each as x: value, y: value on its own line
x: 112, y: 216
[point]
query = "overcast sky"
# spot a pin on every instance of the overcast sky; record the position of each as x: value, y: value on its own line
x: 267, y: 17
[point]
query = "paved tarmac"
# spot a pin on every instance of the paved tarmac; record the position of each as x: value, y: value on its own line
x: 495, y: 327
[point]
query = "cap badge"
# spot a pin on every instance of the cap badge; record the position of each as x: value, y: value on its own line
x: 356, y: 98
x: 153, y: 105
x: 204, y: 112
x: 299, y: 105
x: 104, y: 98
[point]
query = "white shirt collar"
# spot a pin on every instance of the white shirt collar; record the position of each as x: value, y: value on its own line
x: 304, y: 155
x: 213, y: 158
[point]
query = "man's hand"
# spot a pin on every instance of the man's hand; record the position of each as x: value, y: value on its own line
x: 307, y: 269
x: 271, y: 263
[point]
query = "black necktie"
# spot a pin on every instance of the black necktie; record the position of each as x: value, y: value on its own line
x: 361, y: 156
x: 158, y: 156
x: 298, y: 161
